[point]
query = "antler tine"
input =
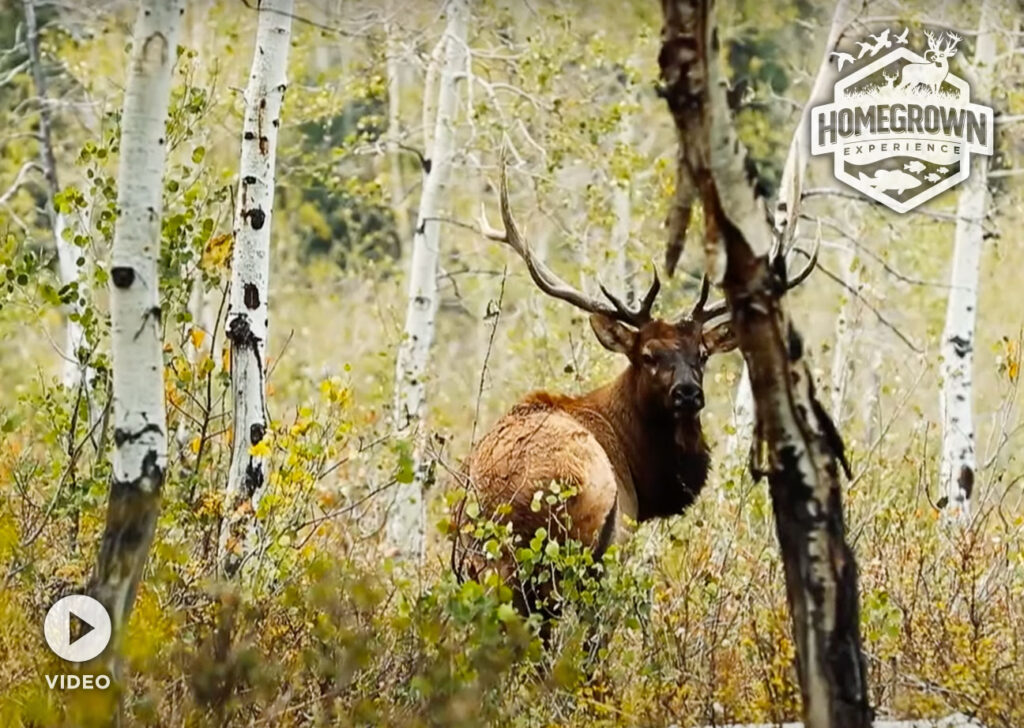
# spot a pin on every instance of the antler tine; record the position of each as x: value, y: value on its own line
x: 704, y: 313
x: 641, y: 315
x: 705, y: 288
x: 545, y: 278
x: 701, y: 311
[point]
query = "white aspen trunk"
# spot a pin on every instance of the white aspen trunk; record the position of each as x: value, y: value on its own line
x: 69, y: 271
x: 395, y: 181
x: 140, y: 432
x: 956, y: 474
x: 786, y: 213
x: 405, y: 531
x: 844, y: 334
x: 247, y: 323
x: 742, y: 415
x: 871, y: 401
x: 622, y: 205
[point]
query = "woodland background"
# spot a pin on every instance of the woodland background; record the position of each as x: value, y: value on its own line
x: 330, y: 629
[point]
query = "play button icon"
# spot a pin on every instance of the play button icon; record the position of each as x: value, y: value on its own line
x: 77, y: 628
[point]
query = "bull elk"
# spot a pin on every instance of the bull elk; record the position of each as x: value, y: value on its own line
x: 631, y: 450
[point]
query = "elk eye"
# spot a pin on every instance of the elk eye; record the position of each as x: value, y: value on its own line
x: 647, y: 358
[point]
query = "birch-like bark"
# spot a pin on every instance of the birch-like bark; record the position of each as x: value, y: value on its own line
x: 406, y: 530
x: 622, y: 210
x: 844, y: 334
x: 798, y: 447
x: 787, y: 206
x: 396, y: 183
x: 247, y: 321
x: 956, y: 474
x: 140, y: 431
x: 72, y: 369
x: 872, y: 399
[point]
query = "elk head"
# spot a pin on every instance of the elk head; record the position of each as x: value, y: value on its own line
x: 666, y: 358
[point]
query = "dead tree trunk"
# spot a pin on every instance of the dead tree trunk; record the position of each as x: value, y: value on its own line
x: 797, y: 447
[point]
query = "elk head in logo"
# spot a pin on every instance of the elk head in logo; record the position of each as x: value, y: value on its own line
x: 933, y: 72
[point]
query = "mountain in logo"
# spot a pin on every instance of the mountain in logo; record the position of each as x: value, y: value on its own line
x: 901, y: 127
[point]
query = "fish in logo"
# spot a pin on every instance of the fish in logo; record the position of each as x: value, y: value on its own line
x: 890, y: 180
x: 901, y: 126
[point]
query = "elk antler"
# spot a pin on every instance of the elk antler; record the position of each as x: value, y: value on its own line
x: 549, y: 281
x: 703, y: 315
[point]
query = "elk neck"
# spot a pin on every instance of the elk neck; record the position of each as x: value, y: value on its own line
x: 664, y: 458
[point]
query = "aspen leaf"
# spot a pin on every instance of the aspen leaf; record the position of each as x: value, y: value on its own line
x: 506, y: 613
x: 197, y: 336
x: 194, y: 445
x: 261, y: 449
x: 216, y: 252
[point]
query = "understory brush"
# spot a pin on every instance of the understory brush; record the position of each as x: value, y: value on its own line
x: 686, y: 623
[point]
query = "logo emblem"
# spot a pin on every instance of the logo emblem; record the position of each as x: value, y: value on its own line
x: 901, y: 127
x: 77, y: 628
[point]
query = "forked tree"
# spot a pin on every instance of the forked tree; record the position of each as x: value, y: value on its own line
x: 140, y: 421
x: 797, y: 447
x: 247, y: 322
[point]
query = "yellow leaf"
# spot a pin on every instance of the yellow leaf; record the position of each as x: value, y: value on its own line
x: 197, y: 336
x: 261, y: 449
x: 194, y: 445
x: 217, y: 252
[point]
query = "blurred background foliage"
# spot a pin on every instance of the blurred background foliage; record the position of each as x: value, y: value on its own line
x: 693, y: 624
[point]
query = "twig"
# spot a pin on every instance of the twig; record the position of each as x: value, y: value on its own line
x: 487, y: 355
x: 878, y: 314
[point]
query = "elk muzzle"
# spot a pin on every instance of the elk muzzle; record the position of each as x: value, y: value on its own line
x: 686, y: 397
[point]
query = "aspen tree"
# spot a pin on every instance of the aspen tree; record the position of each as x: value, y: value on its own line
x: 247, y: 319
x: 140, y: 429
x: 958, y: 464
x: 406, y: 529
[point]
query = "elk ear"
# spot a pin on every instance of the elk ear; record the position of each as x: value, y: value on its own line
x: 613, y: 335
x: 720, y: 339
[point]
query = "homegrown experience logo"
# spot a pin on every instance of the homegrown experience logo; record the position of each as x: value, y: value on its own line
x: 901, y: 127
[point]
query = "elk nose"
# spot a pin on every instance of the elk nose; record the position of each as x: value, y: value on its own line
x: 687, y: 396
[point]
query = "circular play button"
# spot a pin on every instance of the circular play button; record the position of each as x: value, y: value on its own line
x: 77, y: 628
